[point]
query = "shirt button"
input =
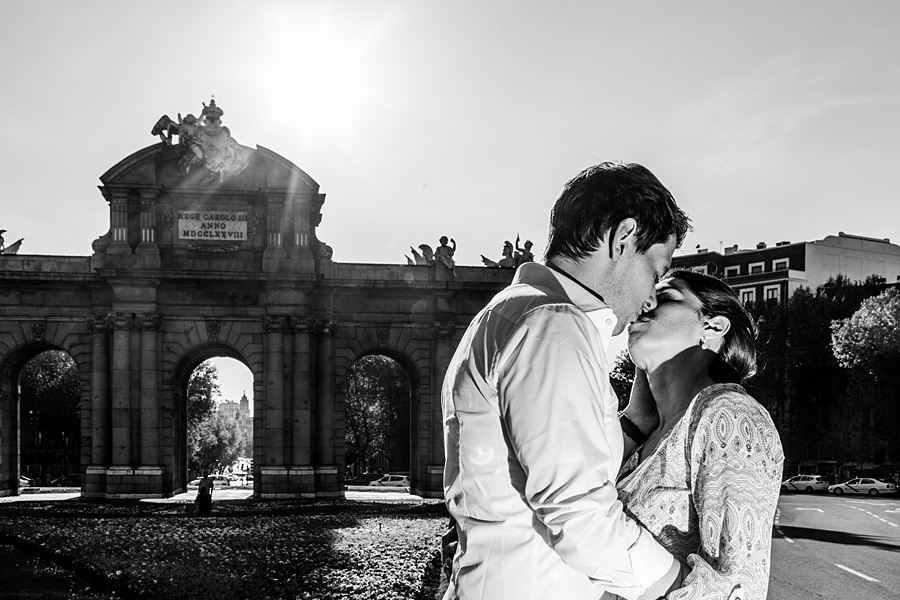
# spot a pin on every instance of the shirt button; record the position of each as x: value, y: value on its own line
x: 609, y: 321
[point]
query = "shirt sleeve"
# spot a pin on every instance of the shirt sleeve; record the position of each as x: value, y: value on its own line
x: 559, y: 411
x: 736, y: 464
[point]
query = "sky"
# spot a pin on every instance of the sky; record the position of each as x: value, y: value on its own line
x: 768, y: 121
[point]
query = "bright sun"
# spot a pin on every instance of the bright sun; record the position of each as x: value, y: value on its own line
x: 326, y: 73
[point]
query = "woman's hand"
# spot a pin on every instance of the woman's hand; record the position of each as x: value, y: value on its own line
x: 641, y: 407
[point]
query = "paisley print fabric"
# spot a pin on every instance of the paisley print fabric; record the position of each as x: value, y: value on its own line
x: 708, y: 494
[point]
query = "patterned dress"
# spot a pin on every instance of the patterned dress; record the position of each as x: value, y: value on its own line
x: 708, y: 494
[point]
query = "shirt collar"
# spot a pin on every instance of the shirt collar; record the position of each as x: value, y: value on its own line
x: 589, y: 302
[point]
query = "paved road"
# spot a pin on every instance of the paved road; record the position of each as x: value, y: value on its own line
x: 836, y: 547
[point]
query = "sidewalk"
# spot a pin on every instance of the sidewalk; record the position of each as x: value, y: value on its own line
x: 356, y: 493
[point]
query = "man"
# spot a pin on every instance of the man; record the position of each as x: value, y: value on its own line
x: 533, y: 442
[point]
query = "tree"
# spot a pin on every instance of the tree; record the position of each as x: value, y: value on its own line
x: 203, y: 388
x: 870, y: 338
x: 216, y: 441
x: 621, y: 377
x: 868, y: 344
x: 376, y: 415
x: 50, y: 404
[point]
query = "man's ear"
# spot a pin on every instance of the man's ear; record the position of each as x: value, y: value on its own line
x: 714, y: 330
x: 621, y: 236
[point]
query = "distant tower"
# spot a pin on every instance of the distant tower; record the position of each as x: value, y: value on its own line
x: 245, y: 404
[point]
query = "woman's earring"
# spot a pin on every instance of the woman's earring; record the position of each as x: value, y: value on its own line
x: 701, y: 343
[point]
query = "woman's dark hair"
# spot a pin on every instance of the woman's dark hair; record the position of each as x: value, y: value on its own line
x: 738, y: 351
x: 600, y: 197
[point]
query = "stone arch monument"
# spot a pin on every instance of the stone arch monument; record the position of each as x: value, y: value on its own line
x: 212, y: 251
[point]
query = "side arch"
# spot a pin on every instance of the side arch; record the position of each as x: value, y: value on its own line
x: 21, y: 341
x: 413, y: 347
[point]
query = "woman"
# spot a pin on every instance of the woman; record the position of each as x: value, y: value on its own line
x: 705, y: 483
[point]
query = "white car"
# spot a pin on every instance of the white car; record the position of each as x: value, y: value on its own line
x: 218, y: 481
x: 392, y: 481
x: 804, y: 483
x: 863, y: 485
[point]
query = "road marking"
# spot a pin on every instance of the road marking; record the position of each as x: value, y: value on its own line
x: 818, y: 509
x: 778, y: 526
x: 857, y: 573
x: 871, y: 514
x: 893, y: 511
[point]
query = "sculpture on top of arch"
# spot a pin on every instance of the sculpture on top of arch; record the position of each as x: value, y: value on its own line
x: 206, y: 143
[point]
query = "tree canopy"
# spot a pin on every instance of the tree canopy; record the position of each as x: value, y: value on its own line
x: 871, y: 336
x: 377, y: 414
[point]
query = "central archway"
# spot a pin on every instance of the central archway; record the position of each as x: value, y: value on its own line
x: 190, y: 361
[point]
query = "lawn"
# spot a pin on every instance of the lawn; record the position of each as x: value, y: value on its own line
x: 247, y: 549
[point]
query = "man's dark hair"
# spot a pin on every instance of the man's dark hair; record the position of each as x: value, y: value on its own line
x: 599, y: 198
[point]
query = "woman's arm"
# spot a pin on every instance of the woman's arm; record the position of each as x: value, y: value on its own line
x: 735, y: 469
x: 641, y: 411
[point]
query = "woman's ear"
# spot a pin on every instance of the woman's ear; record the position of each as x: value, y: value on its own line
x: 714, y: 330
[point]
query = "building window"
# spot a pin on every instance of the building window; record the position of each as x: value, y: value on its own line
x: 699, y: 269
x: 748, y: 295
x: 772, y: 292
x: 756, y: 268
x: 732, y: 271
x: 781, y: 265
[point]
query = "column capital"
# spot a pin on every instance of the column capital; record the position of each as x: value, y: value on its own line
x: 274, y: 324
x: 120, y: 321
x: 324, y: 326
x: 148, y: 321
x: 302, y: 324
x: 98, y: 323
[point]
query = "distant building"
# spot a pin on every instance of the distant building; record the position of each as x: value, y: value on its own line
x: 773, y: 273
x: 243, y: 416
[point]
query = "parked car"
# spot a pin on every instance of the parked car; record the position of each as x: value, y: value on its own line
x: 805, y: 483
x: 218, y: 481
x: 392, y: 481
x: 25, y: 482
x: 863, y: 485
x: 363, y: 479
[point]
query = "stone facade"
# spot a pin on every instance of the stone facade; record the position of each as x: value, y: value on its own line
x: 159, y: 296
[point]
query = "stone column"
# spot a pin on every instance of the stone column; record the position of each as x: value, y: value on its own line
x: 148, y: 243
x: 273, y: 470
x: 325, y: 395
x: 100, y: 402
x: 326, y: 470
x: 121, y: 390
x: 301, y: 418
x: 118, y: 223
x: 444, y: 347
x: 276, y: 209
x: 150, y: 417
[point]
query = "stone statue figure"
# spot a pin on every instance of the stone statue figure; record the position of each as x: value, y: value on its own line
x: 443, y: 254
x: 507, y: 262
x: 426, y: 258
x: 206, y: 143
x: 523, y: 255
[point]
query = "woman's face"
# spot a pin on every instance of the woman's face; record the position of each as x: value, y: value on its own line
x: 675, y: 325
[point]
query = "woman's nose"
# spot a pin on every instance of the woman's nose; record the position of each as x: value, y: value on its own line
x: 649, y: 303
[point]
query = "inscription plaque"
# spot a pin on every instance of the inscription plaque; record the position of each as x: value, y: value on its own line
x: 221, y: 225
